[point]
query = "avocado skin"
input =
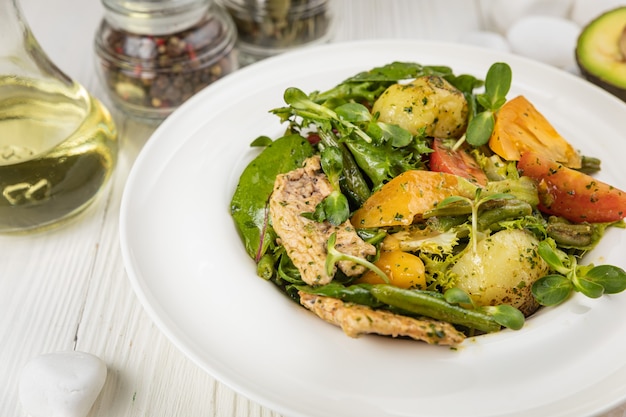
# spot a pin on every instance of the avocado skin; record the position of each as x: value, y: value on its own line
x: 611, y: 88
x: 597, y: 77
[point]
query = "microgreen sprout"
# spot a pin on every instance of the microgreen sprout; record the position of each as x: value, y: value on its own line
x: 332, y: 164
x: 303, y: 106
x: 504, y: 314
x: 335, y: 207
x: 475, y: 205
x: 349, y: 116
x: 497, y: 85
x: 592, y: 281
x: 333, y: 256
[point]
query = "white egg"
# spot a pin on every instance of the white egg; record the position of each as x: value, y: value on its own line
x: 584, y: 11
x: 485, y: 39
x: 505, y: 13
x: 551, y: 40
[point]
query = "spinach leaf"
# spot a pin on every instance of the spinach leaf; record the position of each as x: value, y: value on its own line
x: 249, y: 205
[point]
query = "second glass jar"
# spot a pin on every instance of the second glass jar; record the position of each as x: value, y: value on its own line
x: 153, y: 55
x: 270, y: 27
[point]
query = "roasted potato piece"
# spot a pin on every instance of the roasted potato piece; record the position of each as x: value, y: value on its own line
x: 503, y: 270
x: 428, y: 102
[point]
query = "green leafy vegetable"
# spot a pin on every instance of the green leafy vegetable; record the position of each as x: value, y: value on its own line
x: 248, y: 206
x: 381, y: 162
x: 334, y: 207
x: 368, y: 85
x: 552, y: 289
x: 497, y: 85
x: 352, y: 182
x: 505, y: 315
x: 379, y: 150
x: 262, y: 141
x: 592, y: 281
x: 428, y: 240
x: 479, y: 128
x: 301, y: 105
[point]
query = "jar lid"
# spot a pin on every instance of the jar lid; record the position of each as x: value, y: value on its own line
x: 276, y: 9
x: 154, y: 17
x: 203, y: 44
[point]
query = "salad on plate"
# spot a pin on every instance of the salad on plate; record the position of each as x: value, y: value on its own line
x: 409, y: 201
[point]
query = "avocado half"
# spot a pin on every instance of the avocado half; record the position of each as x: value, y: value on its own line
x: 601, y: 51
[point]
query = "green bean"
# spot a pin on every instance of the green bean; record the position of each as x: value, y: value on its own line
x: 522, y: 188
x: 590, y: 165
x: 357, y: 293
x: 424, y: 304
x: 460, y: 208
x: 491, y: 211
x: 265, y: 266
x: 571, y: 235
x: 498, y: 210
x: 445, y: 223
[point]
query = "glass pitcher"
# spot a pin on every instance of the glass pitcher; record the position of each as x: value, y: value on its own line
x: 58, y: 144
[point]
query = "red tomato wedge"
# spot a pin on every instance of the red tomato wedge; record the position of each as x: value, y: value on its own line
x: 571, y: 194
x: 458, y: 162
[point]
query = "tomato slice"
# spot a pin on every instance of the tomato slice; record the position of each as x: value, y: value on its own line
x: 520, y: 128
x: 571, y: 194
x: 458, y: 162
x: 408, y: 195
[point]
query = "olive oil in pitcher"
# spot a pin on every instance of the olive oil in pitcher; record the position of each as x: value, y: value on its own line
x: 56, y: 152
x: 58, y: 144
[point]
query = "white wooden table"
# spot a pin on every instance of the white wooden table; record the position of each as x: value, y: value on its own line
x: 67, y: 289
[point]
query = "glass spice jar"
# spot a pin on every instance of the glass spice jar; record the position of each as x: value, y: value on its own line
x: 270, y: 27
x: 153, y: 55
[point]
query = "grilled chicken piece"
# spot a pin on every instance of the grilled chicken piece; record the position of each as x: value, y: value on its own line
x: 305, y: 240
x: 356, y: 320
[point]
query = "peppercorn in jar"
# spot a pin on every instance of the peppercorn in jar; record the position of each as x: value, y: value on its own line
x: 153, y: 55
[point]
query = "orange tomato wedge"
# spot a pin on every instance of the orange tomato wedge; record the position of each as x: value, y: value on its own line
x: 404, y: 270
x: 408, y: 195
x: 571, y: 194
x: 521, y: 128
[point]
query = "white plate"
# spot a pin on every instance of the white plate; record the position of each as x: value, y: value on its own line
x: 191, y: 273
